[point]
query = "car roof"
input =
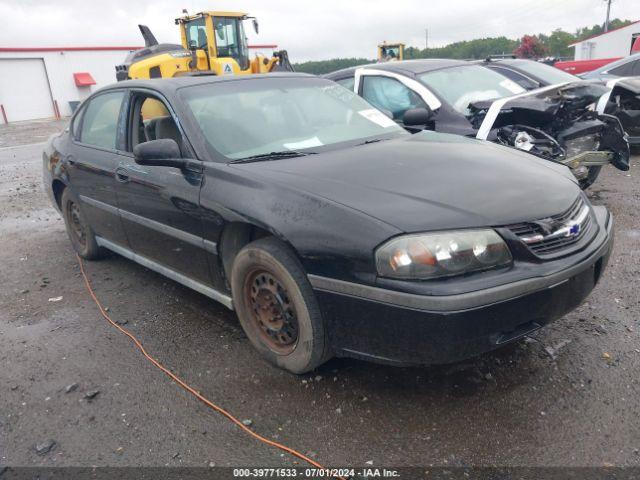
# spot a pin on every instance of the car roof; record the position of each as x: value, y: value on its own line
x: 407, y: 66
x: 169, y: 85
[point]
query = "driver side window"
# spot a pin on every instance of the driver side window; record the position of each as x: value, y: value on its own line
x: 151, y: 120
x: 391, y: 95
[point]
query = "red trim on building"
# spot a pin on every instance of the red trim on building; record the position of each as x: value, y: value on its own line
x: 83, y: 79
x: 603, y: 33
x: 64, y: 49
x: 263, y: 46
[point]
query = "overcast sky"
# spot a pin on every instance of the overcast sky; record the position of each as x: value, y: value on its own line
x: 309, y: 30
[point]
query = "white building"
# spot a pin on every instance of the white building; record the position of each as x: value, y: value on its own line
x: 44, y: 82
x: 613, y: 44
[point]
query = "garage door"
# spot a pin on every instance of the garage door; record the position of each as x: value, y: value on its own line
x: 24, y: 90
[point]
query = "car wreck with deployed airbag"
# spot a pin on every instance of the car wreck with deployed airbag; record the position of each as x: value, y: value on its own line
x: 621, y: 98
x: 558, y: 123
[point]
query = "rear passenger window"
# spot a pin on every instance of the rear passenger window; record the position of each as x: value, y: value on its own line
x: 521, y: 80
x: 625, y: 70
x: 100, y: 120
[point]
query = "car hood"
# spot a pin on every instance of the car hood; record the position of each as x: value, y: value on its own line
x: 430, y: 181
x: 539, y: 107
x: 561, y: 111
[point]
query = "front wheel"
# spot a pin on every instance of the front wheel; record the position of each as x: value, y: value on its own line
x: 277, y: 308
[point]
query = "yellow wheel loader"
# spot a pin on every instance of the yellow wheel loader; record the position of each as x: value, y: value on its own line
x: 213, y: 43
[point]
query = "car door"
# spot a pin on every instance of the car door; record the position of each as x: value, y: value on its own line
x: 393, y: 93
x: 159, y: 205
x: 92, y: 159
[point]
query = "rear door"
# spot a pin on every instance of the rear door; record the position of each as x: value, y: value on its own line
x: 93, y: 157
x: 159, y: 206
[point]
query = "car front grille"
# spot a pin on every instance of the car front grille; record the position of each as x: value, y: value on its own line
x: 559, y: 234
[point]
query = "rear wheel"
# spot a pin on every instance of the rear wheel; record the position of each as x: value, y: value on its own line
x: 277, y: 308
x: 80, y: 233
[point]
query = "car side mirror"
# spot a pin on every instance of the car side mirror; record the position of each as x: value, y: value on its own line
x: 417, y: 117
x: 256, y: 27
x: 163, y: 152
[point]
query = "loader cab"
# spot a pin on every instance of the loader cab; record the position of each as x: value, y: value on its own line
x: 389, y: 52
x: 220, y: 37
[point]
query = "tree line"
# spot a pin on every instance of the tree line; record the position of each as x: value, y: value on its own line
x: 555, y: 44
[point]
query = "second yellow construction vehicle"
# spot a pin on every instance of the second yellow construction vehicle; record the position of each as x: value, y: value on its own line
x: 388, y: 52
x: 212, y: 43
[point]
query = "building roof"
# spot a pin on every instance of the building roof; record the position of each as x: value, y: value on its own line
x: 603, y: 33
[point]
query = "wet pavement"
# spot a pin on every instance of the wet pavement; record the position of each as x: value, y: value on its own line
x: 570, y: 395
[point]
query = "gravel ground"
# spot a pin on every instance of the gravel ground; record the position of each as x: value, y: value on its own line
x: 569, y: 396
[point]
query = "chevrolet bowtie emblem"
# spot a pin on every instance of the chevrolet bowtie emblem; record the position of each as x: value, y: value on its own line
x: 553, y: 229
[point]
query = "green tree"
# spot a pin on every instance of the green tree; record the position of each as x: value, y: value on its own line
x: 557, y: 44
x: 587, y: 32
x: 325, y: 66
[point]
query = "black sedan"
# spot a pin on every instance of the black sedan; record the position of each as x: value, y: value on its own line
x: 622, y: 98
x: 327, y: 227
x: 453, y: 96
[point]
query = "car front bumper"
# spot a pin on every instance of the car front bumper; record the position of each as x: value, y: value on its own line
x: 399, y: 328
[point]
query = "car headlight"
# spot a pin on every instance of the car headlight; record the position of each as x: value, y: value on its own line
x: 430, y: 255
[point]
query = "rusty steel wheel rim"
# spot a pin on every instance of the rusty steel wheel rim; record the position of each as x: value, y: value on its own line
x: 75, y: 223
x: 272, y: 311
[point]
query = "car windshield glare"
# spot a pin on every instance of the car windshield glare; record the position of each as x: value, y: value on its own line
x: 463, y: 85
x: 241, y: 119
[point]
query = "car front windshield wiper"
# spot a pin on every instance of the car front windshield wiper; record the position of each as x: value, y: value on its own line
x: 272, y: 156
x: 373, y: 140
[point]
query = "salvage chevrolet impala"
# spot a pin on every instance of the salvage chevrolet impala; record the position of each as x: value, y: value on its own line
x: 328, y: 228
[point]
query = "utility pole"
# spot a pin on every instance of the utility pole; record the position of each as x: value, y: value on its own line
x: 426, y: 38
x: 606, y: 23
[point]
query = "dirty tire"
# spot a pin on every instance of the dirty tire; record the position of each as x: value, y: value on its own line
x: 80, y: 233
x: 277, y: 308
x: 591, y: 177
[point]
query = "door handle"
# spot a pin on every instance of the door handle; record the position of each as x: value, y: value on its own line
x: 122, y: 175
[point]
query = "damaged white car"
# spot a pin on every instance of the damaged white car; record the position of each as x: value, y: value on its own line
x: 558, y: 123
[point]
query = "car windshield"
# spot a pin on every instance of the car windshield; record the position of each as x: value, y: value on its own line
x: 241, y: 119
x: 460, y: 86
x: 547, y: 73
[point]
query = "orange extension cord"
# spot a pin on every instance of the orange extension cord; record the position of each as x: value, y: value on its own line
x: 188, y: 388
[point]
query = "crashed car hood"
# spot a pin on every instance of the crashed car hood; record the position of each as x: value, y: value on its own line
x: 632, y: 84
x: 430, y: 181
x: 541, y: 107
x: 537, y: 107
